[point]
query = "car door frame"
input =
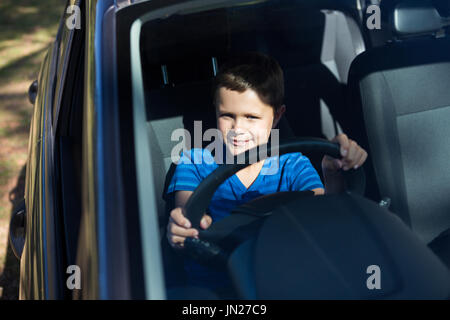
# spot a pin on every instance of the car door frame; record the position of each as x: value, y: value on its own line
x: 103, y: 248
x: 41, y: 273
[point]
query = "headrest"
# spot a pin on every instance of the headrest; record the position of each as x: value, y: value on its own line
x: 416, y: 17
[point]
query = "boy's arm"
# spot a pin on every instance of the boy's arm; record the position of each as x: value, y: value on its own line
x: 333, y: 182
x: 353, y: 157
x: 181, y: 198
x: 318, y: 191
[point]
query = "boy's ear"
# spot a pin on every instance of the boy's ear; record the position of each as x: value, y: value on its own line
x: 278, y: 114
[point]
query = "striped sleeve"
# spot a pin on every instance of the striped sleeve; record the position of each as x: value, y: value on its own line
x: 186, y: 176
x: 305, y: 176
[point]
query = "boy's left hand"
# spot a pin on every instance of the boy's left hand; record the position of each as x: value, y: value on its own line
x: 353, y: 156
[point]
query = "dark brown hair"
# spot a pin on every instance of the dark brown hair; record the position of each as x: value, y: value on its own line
x: 255, y: 71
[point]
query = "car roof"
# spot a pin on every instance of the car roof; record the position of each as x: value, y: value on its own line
x: 339, y: 3
x: 120, y: 4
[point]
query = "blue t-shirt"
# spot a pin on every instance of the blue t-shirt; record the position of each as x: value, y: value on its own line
x: 288, y: 172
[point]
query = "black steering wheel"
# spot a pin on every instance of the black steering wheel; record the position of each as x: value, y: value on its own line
x: 203, y: 249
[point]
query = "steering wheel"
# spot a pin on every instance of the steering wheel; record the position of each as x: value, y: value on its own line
x: 203, y: 249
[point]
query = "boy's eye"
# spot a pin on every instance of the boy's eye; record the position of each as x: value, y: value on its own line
x: 252, y: 117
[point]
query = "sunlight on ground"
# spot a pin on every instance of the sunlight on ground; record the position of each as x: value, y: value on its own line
x: 27, y: 27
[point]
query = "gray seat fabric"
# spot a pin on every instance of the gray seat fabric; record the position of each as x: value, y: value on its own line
x: 169, y: 109
x: 401, y: 91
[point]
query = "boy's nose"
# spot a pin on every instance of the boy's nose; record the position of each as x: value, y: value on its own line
x: 238, y: 124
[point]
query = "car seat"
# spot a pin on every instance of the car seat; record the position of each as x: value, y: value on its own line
x: 400, y: 98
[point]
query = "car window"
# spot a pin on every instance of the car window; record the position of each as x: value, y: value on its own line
x: 174, y: 54
x: 178, y: 57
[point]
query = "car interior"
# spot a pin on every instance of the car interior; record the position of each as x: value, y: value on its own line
x: 387, y: 90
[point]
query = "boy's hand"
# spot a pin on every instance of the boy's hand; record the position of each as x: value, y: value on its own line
x: 353, y: 156
x: 179, y: 227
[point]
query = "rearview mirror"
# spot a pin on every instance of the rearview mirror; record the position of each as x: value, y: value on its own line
x: 416, y: 17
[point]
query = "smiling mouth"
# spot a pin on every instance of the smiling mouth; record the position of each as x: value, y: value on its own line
x: 239, y: 143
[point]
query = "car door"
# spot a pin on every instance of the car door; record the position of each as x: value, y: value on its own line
x: 41, y: 274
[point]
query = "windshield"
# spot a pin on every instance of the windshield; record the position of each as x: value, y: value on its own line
x: 179, y: 55
x: 176, y: 55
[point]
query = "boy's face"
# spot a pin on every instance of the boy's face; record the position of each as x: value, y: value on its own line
x: 244, y: 120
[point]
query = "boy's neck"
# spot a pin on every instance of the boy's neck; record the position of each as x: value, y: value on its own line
x: 249, y: 174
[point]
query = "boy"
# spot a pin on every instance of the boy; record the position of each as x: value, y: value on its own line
x: 248, y: 97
